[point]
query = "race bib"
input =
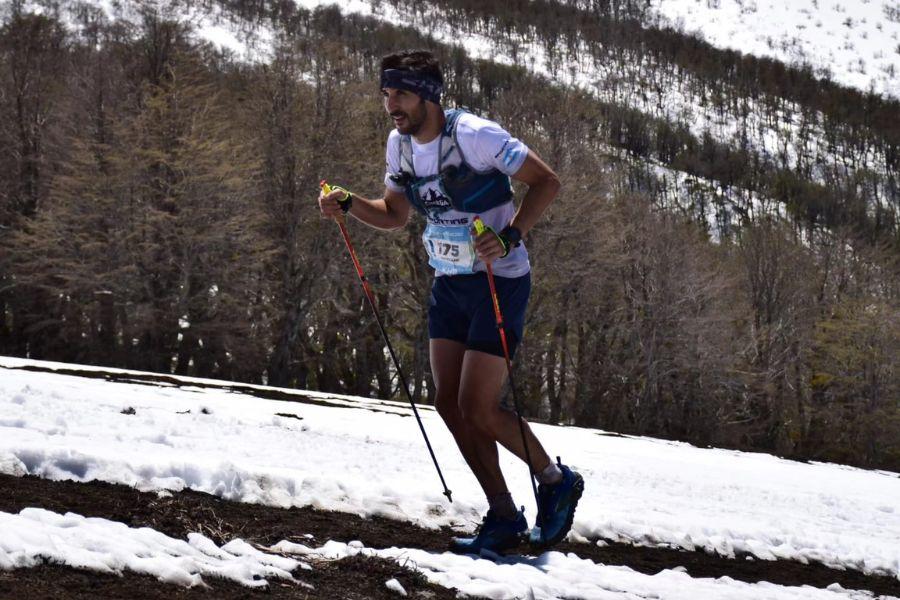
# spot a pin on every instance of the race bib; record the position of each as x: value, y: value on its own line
x: 450, y: 248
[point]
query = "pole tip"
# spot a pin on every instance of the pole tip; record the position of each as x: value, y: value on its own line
x: 448, y: 493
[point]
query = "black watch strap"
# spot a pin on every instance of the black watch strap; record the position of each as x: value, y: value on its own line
x: 346, y: 202
x: 513, y: 235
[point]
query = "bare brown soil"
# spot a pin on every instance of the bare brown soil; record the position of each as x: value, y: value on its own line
x: 354, y: 578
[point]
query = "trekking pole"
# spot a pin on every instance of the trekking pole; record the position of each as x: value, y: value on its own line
x: 479, y: 229
x: 339, y: 218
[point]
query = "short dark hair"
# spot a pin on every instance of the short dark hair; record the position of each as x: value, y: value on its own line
x: 422, y: 61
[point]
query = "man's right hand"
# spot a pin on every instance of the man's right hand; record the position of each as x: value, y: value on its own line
x: 330, y: 204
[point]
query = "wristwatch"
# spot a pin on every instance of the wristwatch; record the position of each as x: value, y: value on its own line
x: 346, y: 202
x: 513, y: 235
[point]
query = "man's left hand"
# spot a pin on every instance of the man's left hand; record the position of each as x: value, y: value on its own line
x: 490, y: 246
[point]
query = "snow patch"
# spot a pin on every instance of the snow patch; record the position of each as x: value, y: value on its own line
x: 394, y: 586
x: 35, y: 536
x: 555, y: 575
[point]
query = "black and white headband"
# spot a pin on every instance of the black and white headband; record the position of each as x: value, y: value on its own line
x: 421, y: 84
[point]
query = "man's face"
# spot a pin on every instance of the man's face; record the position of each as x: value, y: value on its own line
x: 406, y: 109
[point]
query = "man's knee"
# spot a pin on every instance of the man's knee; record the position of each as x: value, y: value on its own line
x: 478, y: 415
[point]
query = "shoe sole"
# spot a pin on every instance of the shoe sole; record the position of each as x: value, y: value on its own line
x: 512, y: 545
x: 575, y: 496
x: 507, y: 547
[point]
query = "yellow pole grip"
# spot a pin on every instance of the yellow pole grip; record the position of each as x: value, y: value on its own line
x: 326, y: 189
x: 479, y: 226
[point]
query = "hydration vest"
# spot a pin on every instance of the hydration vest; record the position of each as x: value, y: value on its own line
x: 469, y: 190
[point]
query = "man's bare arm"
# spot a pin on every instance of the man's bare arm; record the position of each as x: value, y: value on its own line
x: 543, y: 187
x: 390, y: 212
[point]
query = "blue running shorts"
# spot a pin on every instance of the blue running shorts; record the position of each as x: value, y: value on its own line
x: 460, y: 309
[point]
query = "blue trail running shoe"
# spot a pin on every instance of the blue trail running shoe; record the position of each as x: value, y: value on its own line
x: 495, y: 535
x: 556, y: 508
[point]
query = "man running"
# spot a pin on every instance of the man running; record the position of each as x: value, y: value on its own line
x: 453, y: 166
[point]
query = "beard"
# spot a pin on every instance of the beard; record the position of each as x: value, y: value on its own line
x: 412, y: 121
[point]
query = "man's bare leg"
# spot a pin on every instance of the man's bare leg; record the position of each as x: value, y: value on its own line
x: 480, y: 382
x: 477, y: 448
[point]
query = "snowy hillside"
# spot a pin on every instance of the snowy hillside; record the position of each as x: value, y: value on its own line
x: 855, y: 42
x: 323, y: 451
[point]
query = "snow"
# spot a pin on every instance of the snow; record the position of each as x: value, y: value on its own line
x: 558, y: 575
x: 367, y: 457
x: 854, y: 40
x: 211, y: 23
x: 395, y: 586
x: 35, y: 535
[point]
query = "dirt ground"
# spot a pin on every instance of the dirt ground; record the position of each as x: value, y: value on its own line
x: 354, y: 578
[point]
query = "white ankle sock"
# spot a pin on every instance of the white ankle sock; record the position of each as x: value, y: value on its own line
x: 550, y: 475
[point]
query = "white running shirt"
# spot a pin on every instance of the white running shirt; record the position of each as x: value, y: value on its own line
x: 486, y: 146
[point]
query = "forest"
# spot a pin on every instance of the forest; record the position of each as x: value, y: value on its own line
x: 158, y: 212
